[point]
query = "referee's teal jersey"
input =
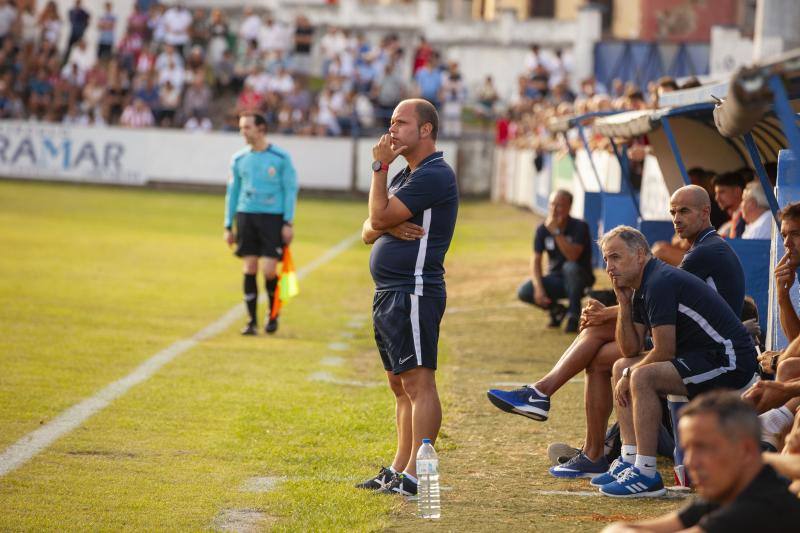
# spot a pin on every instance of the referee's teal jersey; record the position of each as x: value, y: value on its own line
x: 261, y: 182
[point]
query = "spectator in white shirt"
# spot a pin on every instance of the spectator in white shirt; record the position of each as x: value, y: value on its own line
x: 169, y: 55
x: 251, y: 27
x: 332, y: 44
x: 533, y: 60
x: 177, y: 21
x: 756, y: 212
x: 272, y: 37
x: 283, y: 82
x: 259, y: 79
x: 8, y: 14
x: 173, y: 74
x: 82, y: 56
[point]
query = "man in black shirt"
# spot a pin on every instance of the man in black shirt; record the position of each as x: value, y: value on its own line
x: 567, y: 242
x: 737, y: 492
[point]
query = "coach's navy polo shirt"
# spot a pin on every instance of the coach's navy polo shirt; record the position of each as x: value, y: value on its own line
x: 576, y: 232
x: 417, y: 267
x: 703, y: 322
x: 713, y: 260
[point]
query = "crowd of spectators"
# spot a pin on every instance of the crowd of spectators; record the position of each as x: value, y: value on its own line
x: 166, y: 66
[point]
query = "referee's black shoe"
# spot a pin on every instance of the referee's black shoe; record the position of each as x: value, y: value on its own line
x: 250, y: 329
x: 272, y: 326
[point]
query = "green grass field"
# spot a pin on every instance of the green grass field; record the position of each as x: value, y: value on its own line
x: 265, y: 433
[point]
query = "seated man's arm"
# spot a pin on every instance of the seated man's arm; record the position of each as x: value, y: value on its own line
x: 571, y: 250
x: 793, y: 350
x: 539, y: 294
x: 784, y: 278
x: 629, y: 334
x: 787, y: 465
x: 663, y: 345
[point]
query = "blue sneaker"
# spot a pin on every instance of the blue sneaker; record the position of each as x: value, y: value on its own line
x: 613, y: 472
x: 580, y: 466
x: 631, y: 483
x: 524, y: 401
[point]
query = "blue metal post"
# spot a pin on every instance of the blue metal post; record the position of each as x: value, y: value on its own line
x: 785, y: 112
x: 675, y: 150
x: 624, y: 163
x: 589, y: 153
x: 755, y: 156
x: 571, y: 155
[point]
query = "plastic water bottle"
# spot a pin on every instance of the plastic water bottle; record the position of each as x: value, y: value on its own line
x: 428, y: 501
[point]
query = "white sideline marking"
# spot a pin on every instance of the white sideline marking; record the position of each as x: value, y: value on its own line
x: 339, y: 346
x: 332, y: 361
x: 347, y: 334
x: 672, y: 494
x: 262, y: 484
x: 326, y: 377
x: 34, y: 442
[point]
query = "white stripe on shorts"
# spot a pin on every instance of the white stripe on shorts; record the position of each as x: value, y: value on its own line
x: 423, y: 249
x: 415, y: 333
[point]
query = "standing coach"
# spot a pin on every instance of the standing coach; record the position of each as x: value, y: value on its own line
x: 262, y: 193
x: 411, y: 227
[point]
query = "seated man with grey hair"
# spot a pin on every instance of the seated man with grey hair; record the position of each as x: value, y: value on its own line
x: 756, y: 212
x: 736, y: 491
x: 699, y: 344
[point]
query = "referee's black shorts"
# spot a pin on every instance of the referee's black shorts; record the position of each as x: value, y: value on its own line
x: 407, y: 329
x: 259, y: 234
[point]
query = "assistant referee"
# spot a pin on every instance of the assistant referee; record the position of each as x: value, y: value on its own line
x: 261, y: 196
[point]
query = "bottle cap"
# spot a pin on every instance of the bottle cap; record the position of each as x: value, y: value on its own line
x: 426, y: 441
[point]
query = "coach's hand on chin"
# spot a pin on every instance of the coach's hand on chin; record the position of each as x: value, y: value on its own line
x: 384, y: 152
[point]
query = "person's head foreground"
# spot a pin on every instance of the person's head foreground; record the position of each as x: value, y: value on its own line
x: 719, y: 434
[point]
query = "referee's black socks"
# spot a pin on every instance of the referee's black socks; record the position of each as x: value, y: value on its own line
x: 270, y: 284
x: 251, y: 296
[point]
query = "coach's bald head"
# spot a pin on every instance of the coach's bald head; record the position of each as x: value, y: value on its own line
x: 690, y: 207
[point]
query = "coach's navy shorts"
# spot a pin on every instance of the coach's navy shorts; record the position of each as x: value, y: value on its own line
x: 406, y: 329
x: 704, y: 371
x: 259, y: 234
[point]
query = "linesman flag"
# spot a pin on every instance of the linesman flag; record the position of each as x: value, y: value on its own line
x: 288, y: 287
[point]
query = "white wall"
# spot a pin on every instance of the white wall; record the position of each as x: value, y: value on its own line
x: 119, y: 155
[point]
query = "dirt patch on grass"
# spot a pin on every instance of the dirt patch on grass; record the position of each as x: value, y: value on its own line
x: 242, y: 520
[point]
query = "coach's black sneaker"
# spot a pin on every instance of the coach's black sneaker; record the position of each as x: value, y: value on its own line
x: 401, y: 485
x: 250, y: 329
x: 557, y: 314
x: 272, y: 326
x: 377, y: 482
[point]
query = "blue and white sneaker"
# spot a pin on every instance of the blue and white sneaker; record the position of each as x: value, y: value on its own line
x: 524, y: 401
x: 611, y: 475
x: 631, y: 483
x: 580, y: 466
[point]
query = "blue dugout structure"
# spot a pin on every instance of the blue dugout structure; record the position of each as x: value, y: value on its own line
x: 684, y: 136
x: 761, y: 100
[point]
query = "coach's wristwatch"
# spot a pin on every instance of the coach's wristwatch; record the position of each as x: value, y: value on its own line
x: 378, y: 166
x: 626, y: 373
